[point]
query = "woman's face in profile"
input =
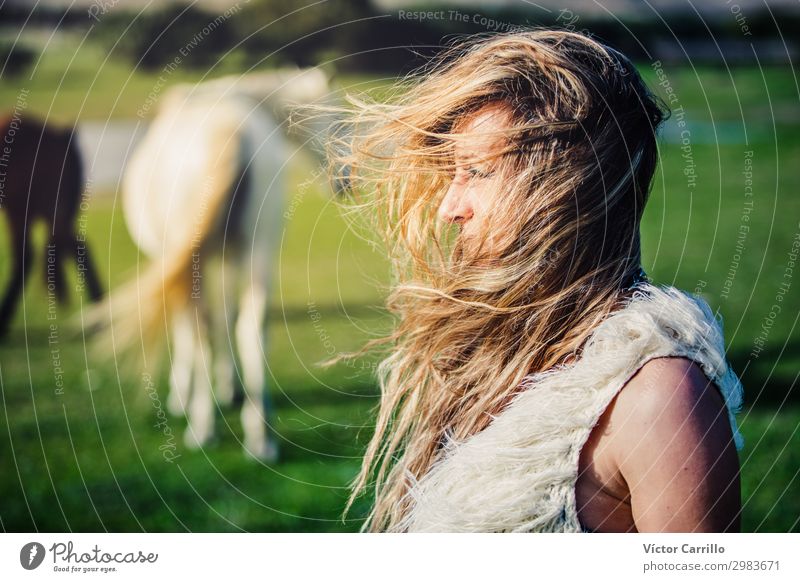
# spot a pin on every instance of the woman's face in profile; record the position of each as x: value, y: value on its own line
x: 476, y: 183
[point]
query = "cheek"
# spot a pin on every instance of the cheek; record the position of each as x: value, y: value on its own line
x: 497, y: 219
x: 484, y: 199
x: 478, y: 200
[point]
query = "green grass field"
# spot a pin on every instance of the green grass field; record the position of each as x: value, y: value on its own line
x: 87, y: 458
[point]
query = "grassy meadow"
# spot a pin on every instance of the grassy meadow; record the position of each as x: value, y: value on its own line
x: 88, y: 457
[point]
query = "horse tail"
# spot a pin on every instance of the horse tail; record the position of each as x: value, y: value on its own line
x: 138, y: 313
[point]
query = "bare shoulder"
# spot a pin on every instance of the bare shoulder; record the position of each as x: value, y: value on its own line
x: 671, y: 440
x: 667, y: 386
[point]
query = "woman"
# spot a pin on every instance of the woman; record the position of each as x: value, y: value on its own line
x: 535, y: 380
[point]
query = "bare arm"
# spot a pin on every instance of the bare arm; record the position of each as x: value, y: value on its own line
x: 673, y: 445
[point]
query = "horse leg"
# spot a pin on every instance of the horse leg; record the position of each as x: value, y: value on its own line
x: 223, y: 322
x: 54, y: 266
x: 72, y: 190
x: 201, y: 409
x: 68, y: 242
x: 180, y: 376
x: 19, y: 270
x: 250, y: 343
x: 87, y: 272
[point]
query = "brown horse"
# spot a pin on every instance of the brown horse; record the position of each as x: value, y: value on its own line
x: 41, y: 177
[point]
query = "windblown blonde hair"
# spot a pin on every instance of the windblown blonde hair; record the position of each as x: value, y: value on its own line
x: 575, y: 173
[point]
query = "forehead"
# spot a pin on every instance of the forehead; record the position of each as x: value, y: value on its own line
x: 483, y: 128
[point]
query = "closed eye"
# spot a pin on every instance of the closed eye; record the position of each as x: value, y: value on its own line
x: 468, y: 174
x: 476, y: 173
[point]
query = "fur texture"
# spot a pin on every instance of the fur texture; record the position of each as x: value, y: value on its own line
x: 519, y: 474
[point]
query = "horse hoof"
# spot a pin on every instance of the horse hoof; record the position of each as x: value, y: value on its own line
x: 194, y: 440
x: 225, y: 397
x: 174, y: 405
x: 266, y: 451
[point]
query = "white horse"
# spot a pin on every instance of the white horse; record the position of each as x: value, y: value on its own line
x: 203, y: 199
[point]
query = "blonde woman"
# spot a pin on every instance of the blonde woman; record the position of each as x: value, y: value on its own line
x: 536, y: 380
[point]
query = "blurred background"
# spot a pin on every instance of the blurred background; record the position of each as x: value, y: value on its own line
x: 82, y: 441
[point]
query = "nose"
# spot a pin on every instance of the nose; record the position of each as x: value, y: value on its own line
x: 456, y: 206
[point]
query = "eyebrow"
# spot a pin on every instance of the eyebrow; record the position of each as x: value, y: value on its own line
x: 470, y: 157
x: 498, y: 144
x: 473, y: 159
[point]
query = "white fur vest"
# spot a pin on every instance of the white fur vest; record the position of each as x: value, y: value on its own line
x: 519, y: 473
